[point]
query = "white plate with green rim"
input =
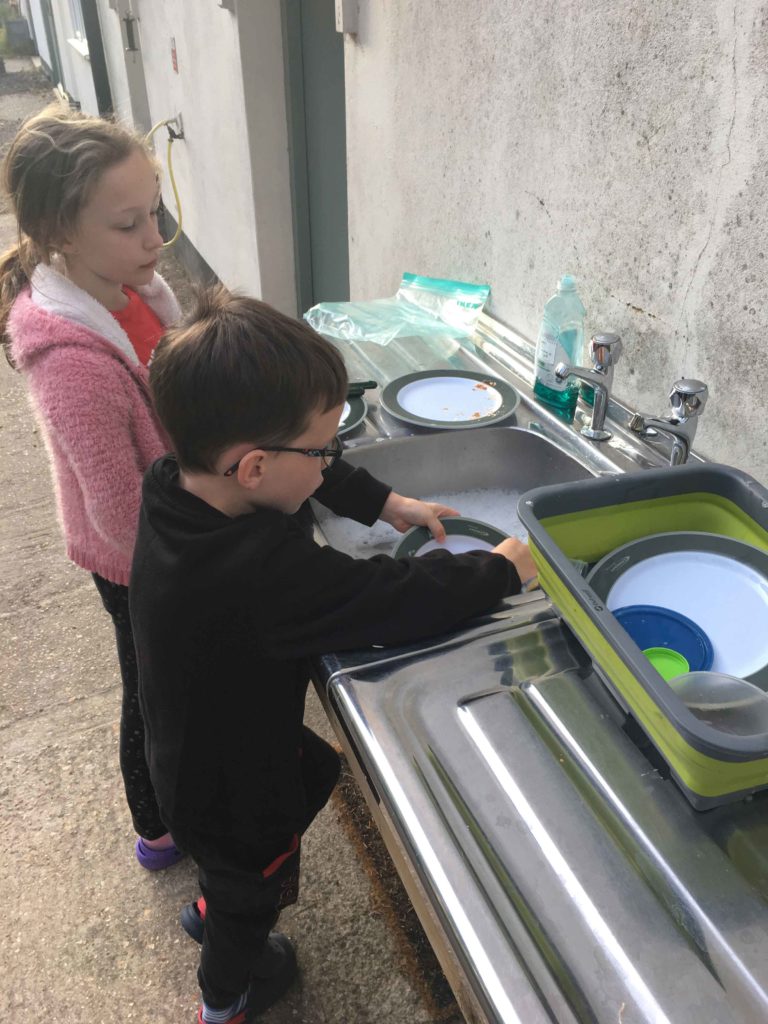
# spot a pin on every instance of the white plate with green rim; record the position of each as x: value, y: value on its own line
x: 462, y: 535
x: 352, y: 415
x: 449, y: 399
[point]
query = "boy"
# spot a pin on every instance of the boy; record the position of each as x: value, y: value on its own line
x: 230, y: 594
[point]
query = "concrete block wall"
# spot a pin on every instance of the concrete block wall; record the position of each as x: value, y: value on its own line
x: 626, y: 143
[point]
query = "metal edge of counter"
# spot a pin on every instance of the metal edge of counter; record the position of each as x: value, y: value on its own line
x: 482, y: 999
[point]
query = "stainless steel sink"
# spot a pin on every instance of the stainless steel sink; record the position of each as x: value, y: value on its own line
x: 506, y: 459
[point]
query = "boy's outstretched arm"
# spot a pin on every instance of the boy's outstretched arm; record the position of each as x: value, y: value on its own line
x: 355, y: 494
x: 319, y: 599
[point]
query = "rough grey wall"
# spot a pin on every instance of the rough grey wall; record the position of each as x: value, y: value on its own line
x: 624, y: 142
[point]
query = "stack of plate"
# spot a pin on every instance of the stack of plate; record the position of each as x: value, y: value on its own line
x: 718, y: 584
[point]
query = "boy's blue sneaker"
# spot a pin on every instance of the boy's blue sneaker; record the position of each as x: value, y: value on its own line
x: 272, y: 978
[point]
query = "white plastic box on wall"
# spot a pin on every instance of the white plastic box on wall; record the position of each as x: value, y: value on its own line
x: 346, y: 16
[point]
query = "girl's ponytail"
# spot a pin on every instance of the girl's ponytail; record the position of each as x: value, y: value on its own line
x: 15, y: 268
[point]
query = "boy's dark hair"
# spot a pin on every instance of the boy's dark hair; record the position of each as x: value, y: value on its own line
x: 238, y: 370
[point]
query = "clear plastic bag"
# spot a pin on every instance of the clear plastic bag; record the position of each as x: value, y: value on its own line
x: 422, y: 307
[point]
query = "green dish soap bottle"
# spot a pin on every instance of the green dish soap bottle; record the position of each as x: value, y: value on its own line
x: 561, y: 340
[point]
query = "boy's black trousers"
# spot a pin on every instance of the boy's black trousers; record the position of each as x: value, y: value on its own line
x: 243, y: 900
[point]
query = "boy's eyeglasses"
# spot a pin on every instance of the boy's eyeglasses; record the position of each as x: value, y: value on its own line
x: 328, y: 455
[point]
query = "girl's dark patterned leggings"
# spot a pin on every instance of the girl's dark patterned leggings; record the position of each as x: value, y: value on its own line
x: 133, y: 762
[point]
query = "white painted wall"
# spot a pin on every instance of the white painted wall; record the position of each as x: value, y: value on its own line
x: 77, y: 77
x: 31, y: 11
x: 626, y: 143
x: 112, y: 37
x: 266, y: 121
x: 76, y: 74
x: 125, y: 68
x: 231, y: 167
x: 212, y: 163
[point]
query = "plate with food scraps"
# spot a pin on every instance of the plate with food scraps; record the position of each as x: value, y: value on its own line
x: 449, y: 399
x: 352, y: 415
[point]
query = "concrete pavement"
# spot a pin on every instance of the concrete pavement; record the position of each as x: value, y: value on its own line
x: 87, y: 935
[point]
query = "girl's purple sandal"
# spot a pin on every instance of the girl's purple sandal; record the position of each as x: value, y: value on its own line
x: 156, y: 860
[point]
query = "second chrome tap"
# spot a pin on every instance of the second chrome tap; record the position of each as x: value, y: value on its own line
x: 678, y: 428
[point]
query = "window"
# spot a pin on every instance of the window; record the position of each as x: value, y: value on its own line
x: 78, y: 40
x: 76, y: 16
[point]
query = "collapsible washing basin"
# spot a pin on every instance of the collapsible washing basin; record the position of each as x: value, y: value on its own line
x: 587, y: 520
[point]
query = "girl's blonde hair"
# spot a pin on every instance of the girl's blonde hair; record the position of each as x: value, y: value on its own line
x: 49, y: 173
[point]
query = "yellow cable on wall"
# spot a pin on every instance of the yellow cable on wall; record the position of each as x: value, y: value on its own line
x: 172, y: 136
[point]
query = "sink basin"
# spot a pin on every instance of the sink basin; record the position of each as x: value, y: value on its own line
x: 479, y: 472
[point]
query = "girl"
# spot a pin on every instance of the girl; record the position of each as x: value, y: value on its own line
x: 81, y: 309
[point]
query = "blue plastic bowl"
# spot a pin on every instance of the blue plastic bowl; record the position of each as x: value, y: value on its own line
x: 650, y: 626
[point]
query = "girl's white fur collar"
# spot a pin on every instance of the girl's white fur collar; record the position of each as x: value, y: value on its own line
x: 56, y: 294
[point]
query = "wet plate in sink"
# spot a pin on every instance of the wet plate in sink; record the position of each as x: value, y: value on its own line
x: 461, y: 535
x: 449, y: 399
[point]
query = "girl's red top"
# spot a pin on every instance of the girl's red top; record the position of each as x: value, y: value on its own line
x: 141, y: 325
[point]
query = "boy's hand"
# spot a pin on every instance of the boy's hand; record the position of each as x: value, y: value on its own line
x: 403, y: 513
x: 519, y: 555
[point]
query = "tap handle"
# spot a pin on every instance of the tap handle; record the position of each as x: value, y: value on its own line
x: 688, y: 398
x: 605, y: 350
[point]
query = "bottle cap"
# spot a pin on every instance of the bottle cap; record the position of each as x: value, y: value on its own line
x: 567, y: 283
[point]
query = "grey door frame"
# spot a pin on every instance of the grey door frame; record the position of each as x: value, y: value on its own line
x: 297, y: 136
x: 305, y: 245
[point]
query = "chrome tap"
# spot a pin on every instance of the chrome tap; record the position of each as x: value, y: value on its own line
x: 605, y: 350
x: 687, y: 398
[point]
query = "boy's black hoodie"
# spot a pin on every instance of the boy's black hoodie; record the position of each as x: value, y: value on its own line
x: 225, y: 612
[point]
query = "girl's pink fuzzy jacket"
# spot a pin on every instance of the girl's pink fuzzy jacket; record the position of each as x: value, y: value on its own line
x: 91, y: 398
